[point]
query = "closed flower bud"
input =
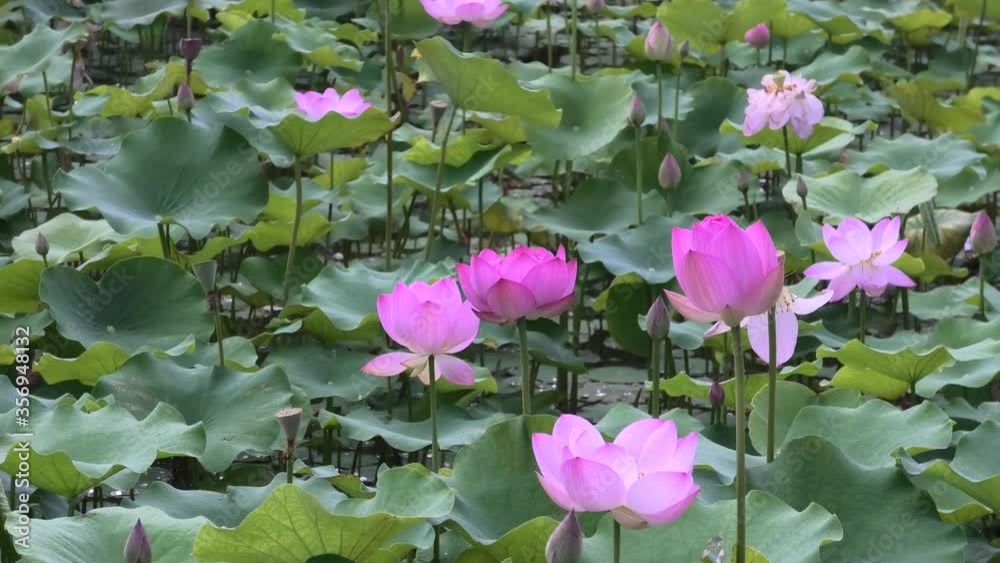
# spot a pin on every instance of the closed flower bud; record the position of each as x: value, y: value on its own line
x: 982, y: 237
x: 566, y: 542
x: 742, y: 181
x: 289, y: 419
x: 205, y: 272
x: 190, y: 47
x: 717, y: 395
x: 185, y: 98
x: 438, y: 107
x: 137, y: 549
x: 758, y: 36
x: 41, y: 245
x: 685, y: 49
x: 670, y: 173
x: 636, y: 111
x: 659, y: 43
x: 595, y: 5
x: 658, y: 320
x: 801, y: 188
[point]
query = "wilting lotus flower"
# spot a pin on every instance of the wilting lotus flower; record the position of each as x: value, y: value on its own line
x: 786, y: 324
x: 316, y: 105
x: 727, y: 273
x: 429, y: 320
x: 529, y: 282
x: 982, y: 236
x: 786, y: 99
x: 758, y: 36
x: 480, y: 13
x: 864, y: 258
x: 643, y: 477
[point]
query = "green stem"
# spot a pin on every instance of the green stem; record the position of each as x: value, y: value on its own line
x: 273, y: 10
x: 659, y: 96
x: 187, y: 18
x: 466, y: 37
x: 788, y: 155
x: 975, y: 43
x: 638, y: 172
x: 905, y: 298
x: 164, y: 245
x: 48, y: 98
x: 654, y: 371
x: 297, y: 171
x: 862, y: 310
x: 572, y: 41
x: 617, y: 542
x: 982, y: 294
x: 772, y: 381
x: 437, y: 185
x: 48, y: 181
x: 548, y: 34
x: 522, y: 332
x: 289, y: 462
x: 432, y: 391
x: 677, y: 101
x: 218, y: 332
x: 741, y: 478
x: 390, y: 92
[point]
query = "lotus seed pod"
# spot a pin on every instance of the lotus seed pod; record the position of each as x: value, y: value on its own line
x: 205, y: 272
x: 289, y: 419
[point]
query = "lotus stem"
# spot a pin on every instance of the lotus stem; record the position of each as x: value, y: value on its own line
x: 466, y: 38
x: 862, y: 313
x: 297, y: 171
x: 548, y: 34
x: 975, y: 44
x: 390, y: 92
x: 274, y: 10
x: 217, y: 306
x: 522, y: 332
x: 638, y: 172
x: 437, y: 185
x: 432, y: 392
x: 788, y: 154
x: 741, y: 478
x: 982, y: 294
x: 654, y: 370
x: 290, y: 462
x: 617, y: 542
x: 772, y: 381
x: 677, y: 100
x: 659, y: 96
x: 48, y: 97
x: 572, y: 42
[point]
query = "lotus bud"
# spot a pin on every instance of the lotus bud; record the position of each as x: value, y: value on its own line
x: 659, y: 43
x: 190, y: 47
x: 137, y: 549
x: 670, y: 173
x: 982, y: 236
x: 658, y: 320
x: 685, y: 49
x: 759, y: 36
x: 664, y: 127
x: 636, y: 112
x: 438, y: 107
x: 595, y: 5
x: 801, y: 188
x: 205, y: 272
x: 566, y: 542
x: 42, y: 245
x: 717, y: 395
x: 742, y: 181
x: 185, y: 98
x: 289, y: 419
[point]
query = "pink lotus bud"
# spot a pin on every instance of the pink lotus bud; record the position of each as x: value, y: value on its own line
x: 801, y: 188
x: 565, y: 545
x: 659, y: 43
x: 759, y: 36
x: 670, y: 173
x: 742, y: 181
x: 658, y: 320
x: 137, y: 548
x: 636, y: 111
x: 185, y: 98
x: 41, y: 245
x: 982, y: 236
x: 717, y: 395
x: 595, y: 5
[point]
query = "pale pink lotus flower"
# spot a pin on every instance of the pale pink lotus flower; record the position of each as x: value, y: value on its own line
x: 727, y: 273
x: 644, y: 477
x: 429, y: 320
x: 982, y: 235
x: 758, y: 36
x: 316, y: 105
x: 863, y: 258
x: 786, y: 99
x: 787, y: 311
x: 659, y: 43
x: 529, y: 282
x: 480, y: 13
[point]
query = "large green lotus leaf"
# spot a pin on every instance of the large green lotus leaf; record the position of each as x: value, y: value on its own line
x: 627, y: 298
x: 306, y: 138
x: 793, y: 397
x: 483, y: 84
x: 34, y: 323
x: 210, y: 179
x: 127, y: 14
x: 101, y: 536
x: 19, y: 286
x: 716, y: 100
x: 13, y: 199
x: 410, y: 491
x: 292, y: 527
x: 73, y: 450
x: 35, y: 51
x: 702, y: 22
x: 251, y: 53
x: 944, y: 157
x: 339, y: 304
x: 975, y: 469
x: 594, y: 207
x: 831, y: 67
x: 321, y: 372
x: 526, y: 542
x: 319, y: 46
x: 411, y: 21
x: 453, y: 180
x: 882, y: 514
x: 867, y: 369
x: 683, y: 385
x: 458, y: 427
x: 237, y: 409
x: 918, y: 105
x: 967, y: 187
x: 965, y: 339
x: 952, y: 504
x: 918, y: 20
x: 67, y: 234
x: 971, y: 375
x: 953, y: 300
x: 774, y: 529
x: 140, y: 302
x: 709, y: 188
x: 848, y: 194
x: 99, y: 360
x: 644, y: 250
x: 830, y: 135
x: 594, y: 110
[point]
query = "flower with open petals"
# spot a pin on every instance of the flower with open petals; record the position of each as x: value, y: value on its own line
x: 643, y: 477
x: 429, y: 320
x: 316, y: 105
x: 786, y: 99
x: 863, y: 258
x: 480, y: 13
x: 529, y: 282
x: 727, y: 273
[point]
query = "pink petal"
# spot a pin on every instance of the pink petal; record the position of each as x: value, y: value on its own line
x: 467, y: 278
x: 510, y: 300
x: 885, y: 233
x: 464, y: 328
x: 428, y: 327
x: 454, y: 369
x: 683, y: 458
x: 805, y: 305
x: 615, y: 457
x: 580, y: 435
x: 661, y: 497
x: 688, y: 310
x: 633, y: 438
x: 680, y: 245
x: 760, y: 238
x: 389, y: 364
x: 891, y: 254
x: 856, y: 237
x: 718, y: 328
x: 708, y: 282
x: 658, y: 449
x: 826, y: 270
x: 896, y: 277
x: 761, y: 296
x: 841, y: 286
x: 557, y: 493
x: 556, y: 308
x: 550, y: 454
x: 838, y: 246
x: 786, y: 336
x: 550, y: 281
x: 592, y: 486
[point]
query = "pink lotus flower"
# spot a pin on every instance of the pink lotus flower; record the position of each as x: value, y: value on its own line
x: 786, y: 99
x: 527, y: 283
x: 786, y: 324
x: 758, y: 36
x: 659, y: 43
x: 429, y: 320
x: 643, y: 477
x: 480, y: 13
x: 982, y: 236
x: 316, y: 105
x: 864, y: 258
x: 727, y: 273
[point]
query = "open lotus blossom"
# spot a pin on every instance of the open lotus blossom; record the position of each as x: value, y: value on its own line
x: 786, y: 99
x: 480, y: 13
x: 643, y: 477
x: 429, y: 320
x: 529, y: 282
x: 863, y: 258
x: 316, y: 105
x: 786, y: 323
x: 727, y: 273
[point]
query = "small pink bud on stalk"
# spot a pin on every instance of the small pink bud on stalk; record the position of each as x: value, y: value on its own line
x: 658, y: 321
x: 595, y: 5
x: 42, y: 247
x: 717, y: 395
x: 185, y: 98
x: 982, y: 236
x: 565, y: 545
x: 759, y: 36
x: 743, y: 181
x: 659, y: 43
x: 137, y: 548
x: 636, y: 112
x: 670, y: 173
